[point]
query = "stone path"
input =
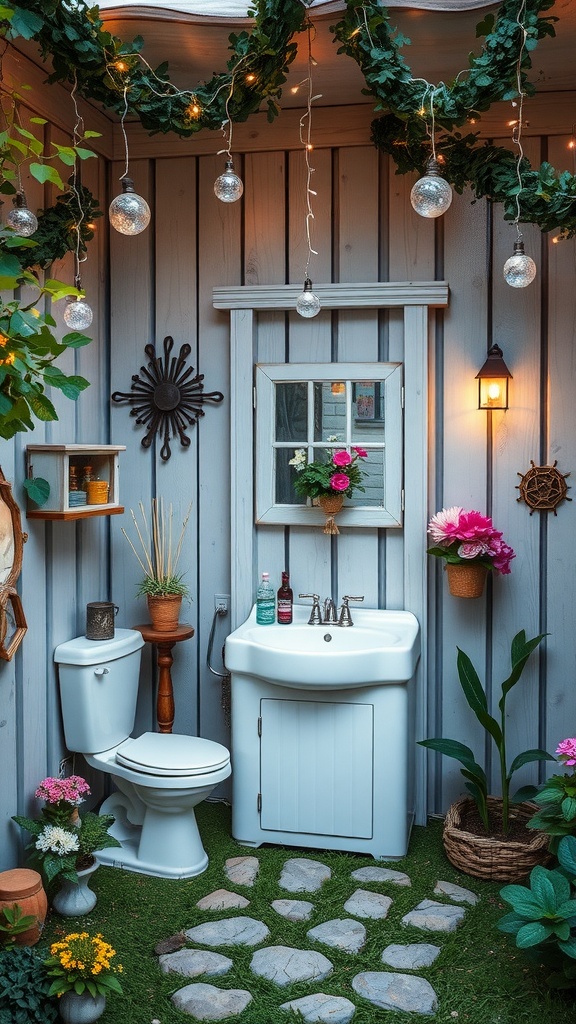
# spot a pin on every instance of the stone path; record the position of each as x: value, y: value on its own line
x: 283, y: 965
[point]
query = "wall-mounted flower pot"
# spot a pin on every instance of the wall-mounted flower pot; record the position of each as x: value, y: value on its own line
x: 466, y: 580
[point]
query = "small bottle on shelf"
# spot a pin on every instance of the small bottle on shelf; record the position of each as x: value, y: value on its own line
x: 86, y: 477
x: 285, y: 601
x: 265, y: 602
x: 73, y: 479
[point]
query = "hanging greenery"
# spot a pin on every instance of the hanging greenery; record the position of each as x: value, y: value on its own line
x: 75, y: 38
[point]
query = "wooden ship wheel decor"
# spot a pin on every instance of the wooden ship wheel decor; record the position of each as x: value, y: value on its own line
x: 166, y: 398
x: 543, y: 488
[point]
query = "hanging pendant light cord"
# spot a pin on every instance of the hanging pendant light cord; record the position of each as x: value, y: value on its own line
x: 124, y: 135
x: 77, y: 133
x: 306, y: 141
x: 517, y: 131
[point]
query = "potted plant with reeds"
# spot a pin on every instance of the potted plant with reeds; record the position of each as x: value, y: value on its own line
x: 486, y: 836
x: 162, y: 585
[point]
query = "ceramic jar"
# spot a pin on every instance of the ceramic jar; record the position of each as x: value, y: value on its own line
x: 75, y: 899
x: 24, y: 887
x: 81, y: 1009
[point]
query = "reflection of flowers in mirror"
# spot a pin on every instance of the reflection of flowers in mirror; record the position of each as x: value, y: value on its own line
x: 338, y: 473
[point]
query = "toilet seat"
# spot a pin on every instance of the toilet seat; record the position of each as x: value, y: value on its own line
x: 171, y: 754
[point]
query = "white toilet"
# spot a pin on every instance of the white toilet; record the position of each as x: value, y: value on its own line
x: 160, y: 776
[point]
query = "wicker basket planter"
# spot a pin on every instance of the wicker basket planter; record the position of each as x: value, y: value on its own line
x: 495, y: 860
x: 466, y: 580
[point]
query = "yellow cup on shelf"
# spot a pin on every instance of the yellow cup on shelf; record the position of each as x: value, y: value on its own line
x: 97, y: 492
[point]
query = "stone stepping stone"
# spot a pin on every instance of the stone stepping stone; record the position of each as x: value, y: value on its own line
x: 381, y: 875
x: 456, y: 893
x: 364, y: 903
x: 396, y: 991
x: 206, y: 1002
x: 192, y: 962
x: 170, y: 944
x: 322, y: 1008
x: 341, y: 933
x: 284, y: 965
x: 293, y: 910
x: 302, y: 875
x: 222, y: 899
x: 435, y: 917
x: 242, y: 870
x: 234, y: 931
x: 412, y: 957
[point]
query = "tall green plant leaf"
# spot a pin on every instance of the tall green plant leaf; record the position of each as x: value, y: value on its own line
x: 474, y: 693
x: 521, y: 651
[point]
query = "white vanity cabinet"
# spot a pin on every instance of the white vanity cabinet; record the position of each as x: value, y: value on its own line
x: 326, y: 769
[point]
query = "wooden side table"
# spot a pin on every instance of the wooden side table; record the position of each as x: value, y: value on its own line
x: 164, y: 643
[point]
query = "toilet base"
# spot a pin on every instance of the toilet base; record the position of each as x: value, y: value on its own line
x: 127, y: 857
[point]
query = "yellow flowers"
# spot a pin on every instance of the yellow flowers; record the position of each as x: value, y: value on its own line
x: 80, y: 961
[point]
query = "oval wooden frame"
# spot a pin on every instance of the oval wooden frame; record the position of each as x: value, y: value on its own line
x: 8, y: 593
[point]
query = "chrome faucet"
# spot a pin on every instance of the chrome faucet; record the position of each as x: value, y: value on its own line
x: 345, y: 618
x: 329, y: 618
x: 315, y: 615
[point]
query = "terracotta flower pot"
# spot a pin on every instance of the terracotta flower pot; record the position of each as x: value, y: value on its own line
x: 164, y: 611
x: 24, y: 887
x: 466, y: 580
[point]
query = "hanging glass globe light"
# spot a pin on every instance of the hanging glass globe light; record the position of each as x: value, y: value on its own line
x: 519, y: 269
x: 129, y: 213
x: 21, y: 219
x: 78, y: 314
x: 307, y: 303
x: 228, y: 187
x: 431, y: 195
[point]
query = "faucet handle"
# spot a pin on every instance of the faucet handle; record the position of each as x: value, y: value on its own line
x: 345, y: 616
x: 315, y: 615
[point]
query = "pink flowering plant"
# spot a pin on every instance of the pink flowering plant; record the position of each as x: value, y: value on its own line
x: 63, y: 842
x: 557, y: 798
x: 461, y: 537
x: 338, y: 473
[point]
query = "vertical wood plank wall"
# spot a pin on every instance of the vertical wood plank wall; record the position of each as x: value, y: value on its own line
x: 159, y: 284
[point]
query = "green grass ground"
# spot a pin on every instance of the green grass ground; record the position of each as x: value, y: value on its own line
x: 480, y: 977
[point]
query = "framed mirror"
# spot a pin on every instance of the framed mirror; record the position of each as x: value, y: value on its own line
x: 12, y: 620
x: 315, y: 408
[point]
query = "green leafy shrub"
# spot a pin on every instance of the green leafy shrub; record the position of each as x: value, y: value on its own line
x: 477, y: 783
x: 544, y: 915
x: 24, y: 986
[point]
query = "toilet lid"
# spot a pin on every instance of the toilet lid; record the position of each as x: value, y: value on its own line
x: 172, y: 754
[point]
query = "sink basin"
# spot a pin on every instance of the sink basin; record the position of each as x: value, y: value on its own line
x: 381, y: 647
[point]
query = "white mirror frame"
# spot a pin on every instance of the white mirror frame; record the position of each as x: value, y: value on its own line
x: 354, y: 513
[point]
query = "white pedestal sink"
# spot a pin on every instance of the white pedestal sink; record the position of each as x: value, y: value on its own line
x: 322, y: 732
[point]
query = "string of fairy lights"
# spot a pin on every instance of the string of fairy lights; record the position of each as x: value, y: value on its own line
x: 129, y: 213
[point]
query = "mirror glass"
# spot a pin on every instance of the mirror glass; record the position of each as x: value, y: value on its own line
x: 321, y: 413
x: 7, y: 548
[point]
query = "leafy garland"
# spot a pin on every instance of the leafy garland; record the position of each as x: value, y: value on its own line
x: 546, y: 197
x: 104, y: 66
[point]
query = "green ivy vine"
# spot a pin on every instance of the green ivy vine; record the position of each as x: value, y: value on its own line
x: 104, y: 66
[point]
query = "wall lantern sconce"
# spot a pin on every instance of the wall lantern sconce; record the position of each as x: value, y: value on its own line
x: 493, y: 381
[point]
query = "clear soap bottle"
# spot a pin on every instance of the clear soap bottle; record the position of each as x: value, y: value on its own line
x: 265, y: 602
x: 285, y: 599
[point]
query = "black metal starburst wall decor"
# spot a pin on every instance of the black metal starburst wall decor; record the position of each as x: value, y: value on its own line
x: 166, y: 398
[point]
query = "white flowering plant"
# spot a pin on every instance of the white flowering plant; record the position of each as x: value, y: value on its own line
x: 63, y: 842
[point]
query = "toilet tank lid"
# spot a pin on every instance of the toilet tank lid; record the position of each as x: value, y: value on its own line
x: 81, y: 651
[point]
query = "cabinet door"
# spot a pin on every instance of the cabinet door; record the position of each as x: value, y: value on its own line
x: 316, y: 766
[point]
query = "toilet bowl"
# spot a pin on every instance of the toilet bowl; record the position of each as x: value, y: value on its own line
x: 160, y: 777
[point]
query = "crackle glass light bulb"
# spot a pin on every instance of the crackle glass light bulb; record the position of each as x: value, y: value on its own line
x: 228, y: 187
x: 431, y: 195
x: 21, y: 219
x: 307, y: 303
x: 129, y: 213
x: 519, y: 269
x: 78, y: 314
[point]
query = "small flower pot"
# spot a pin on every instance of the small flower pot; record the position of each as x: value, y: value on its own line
x: 164, y: 612
x: 331, y: 505
x: 81, y: 1009
x: 74, y: 899
x: 466, y: 580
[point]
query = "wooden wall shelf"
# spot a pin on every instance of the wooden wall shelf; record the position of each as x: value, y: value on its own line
x: 63, y: 466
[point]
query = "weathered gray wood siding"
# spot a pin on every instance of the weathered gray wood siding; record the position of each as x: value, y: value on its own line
x: 160, y: 283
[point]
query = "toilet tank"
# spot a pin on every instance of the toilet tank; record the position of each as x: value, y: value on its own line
x: 99, y: 689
